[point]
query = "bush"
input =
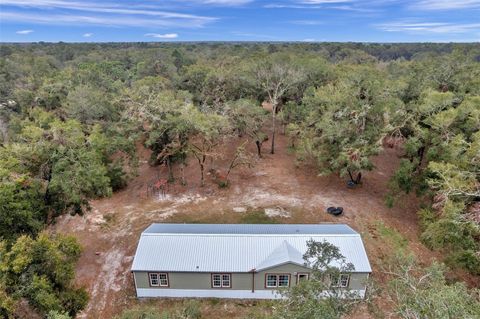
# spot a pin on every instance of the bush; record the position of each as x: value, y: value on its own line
x: 449, y: 233
x: 74, y: 300
x: 404, y: 178
x: 426, y: 217
x: 118, y: 178
x: 466, y: 259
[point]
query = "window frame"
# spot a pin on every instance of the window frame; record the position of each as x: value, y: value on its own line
x: 221, y: 274
x: 159, y: 279
x: 336, y: 282
x: 277, y: 280
x: 307, y: 274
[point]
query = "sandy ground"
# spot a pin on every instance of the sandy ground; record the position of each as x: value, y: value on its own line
x: 290, y: 194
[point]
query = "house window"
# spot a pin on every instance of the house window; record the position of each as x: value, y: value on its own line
x: 340, y: 281
x: 158, y: 279
x: 274, y: 281
x: 221, y: 281
x: 302, y: 277
x: 271, y: 281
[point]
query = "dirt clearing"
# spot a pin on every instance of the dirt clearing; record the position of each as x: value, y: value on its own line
x: 275, y: 186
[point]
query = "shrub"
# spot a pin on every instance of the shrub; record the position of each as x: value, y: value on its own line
x: 426, y: 217
x: 451, y: 233
x: 466, y: 259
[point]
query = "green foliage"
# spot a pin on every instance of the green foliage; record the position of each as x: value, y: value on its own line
x: 424, y: 293
x: 307, y: 300
x: 404, y: 177
x: 22, y: 210
x: 426, y: 216
x: 41, y: 270
x: 88, y: 104
x: 345, y: 124
x: 441, y: 148
x: 7, y: 303
x: 72, y: 114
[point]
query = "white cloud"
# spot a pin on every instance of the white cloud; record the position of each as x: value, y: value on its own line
x: 429, y: 27
x: 308, y: 40
x: 87, y: 35
x: 24, y: 32
x: 112, y: 14
x: 446, y: 4
x: 342, y: 5
x: 104, y: 20
x: 162, y: 36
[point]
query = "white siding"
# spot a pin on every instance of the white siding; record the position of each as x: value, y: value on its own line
x: 212, y: 293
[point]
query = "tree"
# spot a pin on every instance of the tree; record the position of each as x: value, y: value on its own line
x: 88, y: 105
x: 208, y: 131
x: 424, y: 293
x: 276, y: 78
x: 248, y: 118
x: 163, y: 116
x: 22, y: 210
x: 58, y: 154
x: 317, y: 297
x: 442, y: 158
x: 42, y: 270
x: 346, y: 124
x: 240, y: 158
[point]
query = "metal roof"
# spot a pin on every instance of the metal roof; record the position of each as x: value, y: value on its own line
x: 250, y: 229
x: 238, y: 247
x: 283, y: 254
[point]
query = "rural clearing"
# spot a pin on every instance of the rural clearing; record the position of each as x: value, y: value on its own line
x: 274, y: 190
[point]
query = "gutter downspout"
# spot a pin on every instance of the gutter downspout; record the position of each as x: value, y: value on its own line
x: 135, y: 282
x: 253, y: 279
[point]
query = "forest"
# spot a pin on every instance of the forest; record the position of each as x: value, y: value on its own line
x: 73, y: 116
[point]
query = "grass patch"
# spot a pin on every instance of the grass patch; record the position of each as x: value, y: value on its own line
x: 391, y: 235
x: 257, y: 217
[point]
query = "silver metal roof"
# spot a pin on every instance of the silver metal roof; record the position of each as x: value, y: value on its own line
x: 239, y: 247
x: 250, y: 229
x: 283, y: 254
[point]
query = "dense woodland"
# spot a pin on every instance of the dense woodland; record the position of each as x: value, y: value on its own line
x: 71, y: 116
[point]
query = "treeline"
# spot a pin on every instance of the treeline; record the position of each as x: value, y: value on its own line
x: 70, y: 115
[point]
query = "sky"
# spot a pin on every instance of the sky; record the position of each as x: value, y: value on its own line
x: 240, y: 20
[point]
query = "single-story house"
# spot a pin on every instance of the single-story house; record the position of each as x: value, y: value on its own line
x: 238, y: 261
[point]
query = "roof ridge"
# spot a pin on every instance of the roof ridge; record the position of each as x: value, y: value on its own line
x: 250, y: 235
